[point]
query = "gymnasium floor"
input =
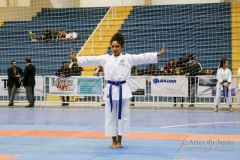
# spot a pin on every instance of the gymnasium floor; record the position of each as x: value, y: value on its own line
x: 78, y: 134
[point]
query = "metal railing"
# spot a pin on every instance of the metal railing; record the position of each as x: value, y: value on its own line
x: 137, y: 99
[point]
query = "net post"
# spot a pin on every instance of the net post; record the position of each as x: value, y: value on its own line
x: 44, y: 90
x: 41, y: 97
x: 195, y: 89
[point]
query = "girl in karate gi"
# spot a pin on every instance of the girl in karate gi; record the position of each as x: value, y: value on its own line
x: 224, y: 78
x: 117, y: 69
x: 239, y: 87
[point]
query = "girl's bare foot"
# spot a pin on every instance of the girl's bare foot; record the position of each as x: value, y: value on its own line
x: 113, y: 145
x: 230, y: 109
x: 119, y: 145
x: 216, y: 109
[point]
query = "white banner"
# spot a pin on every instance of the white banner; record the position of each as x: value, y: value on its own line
x: 239, y: 96
x: 62, y: 86
x: 38, y: 89
x: 75, y: 86
x: 169, y: 86
x: 239, y: 93
x: 207, y: 87
x: 137, y: 85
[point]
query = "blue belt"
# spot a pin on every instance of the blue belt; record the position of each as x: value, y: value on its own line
x: 119, y: 83
x: 225, y: 90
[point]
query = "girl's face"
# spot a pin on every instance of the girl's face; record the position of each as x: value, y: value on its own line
x: 116, y: 48
x: 225, y: 65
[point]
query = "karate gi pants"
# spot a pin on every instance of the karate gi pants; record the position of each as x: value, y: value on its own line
x: 217, y: 99
x: 113, y: 125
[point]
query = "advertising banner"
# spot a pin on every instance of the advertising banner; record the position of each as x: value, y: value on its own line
x: 90, y: 86
x: 207, y: 87
x: 169, y: 86
x: 137, y: 85
x: 75, y: 86
x: 38, y: 89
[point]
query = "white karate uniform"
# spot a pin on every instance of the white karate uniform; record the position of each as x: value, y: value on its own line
x: 239, y: 87
x: 117, y: 69
x: 223, y: 75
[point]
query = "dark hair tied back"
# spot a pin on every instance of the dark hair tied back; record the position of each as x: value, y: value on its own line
x: 119, y: 38
x: 222, y: 62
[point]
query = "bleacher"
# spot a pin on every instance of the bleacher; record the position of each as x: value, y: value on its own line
x: 201, y: 29
x: 15, y: 42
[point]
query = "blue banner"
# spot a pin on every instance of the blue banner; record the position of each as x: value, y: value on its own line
x: 91, y: 86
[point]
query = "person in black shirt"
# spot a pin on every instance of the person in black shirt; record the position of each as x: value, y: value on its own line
x: 192, y: 70
x: 75, y: 69
x: 47, y: 36
x: 14, y: 74
x: 29, y: 81
x: 182, y: 62
x: 64, y: 71
x: 178, y: 72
